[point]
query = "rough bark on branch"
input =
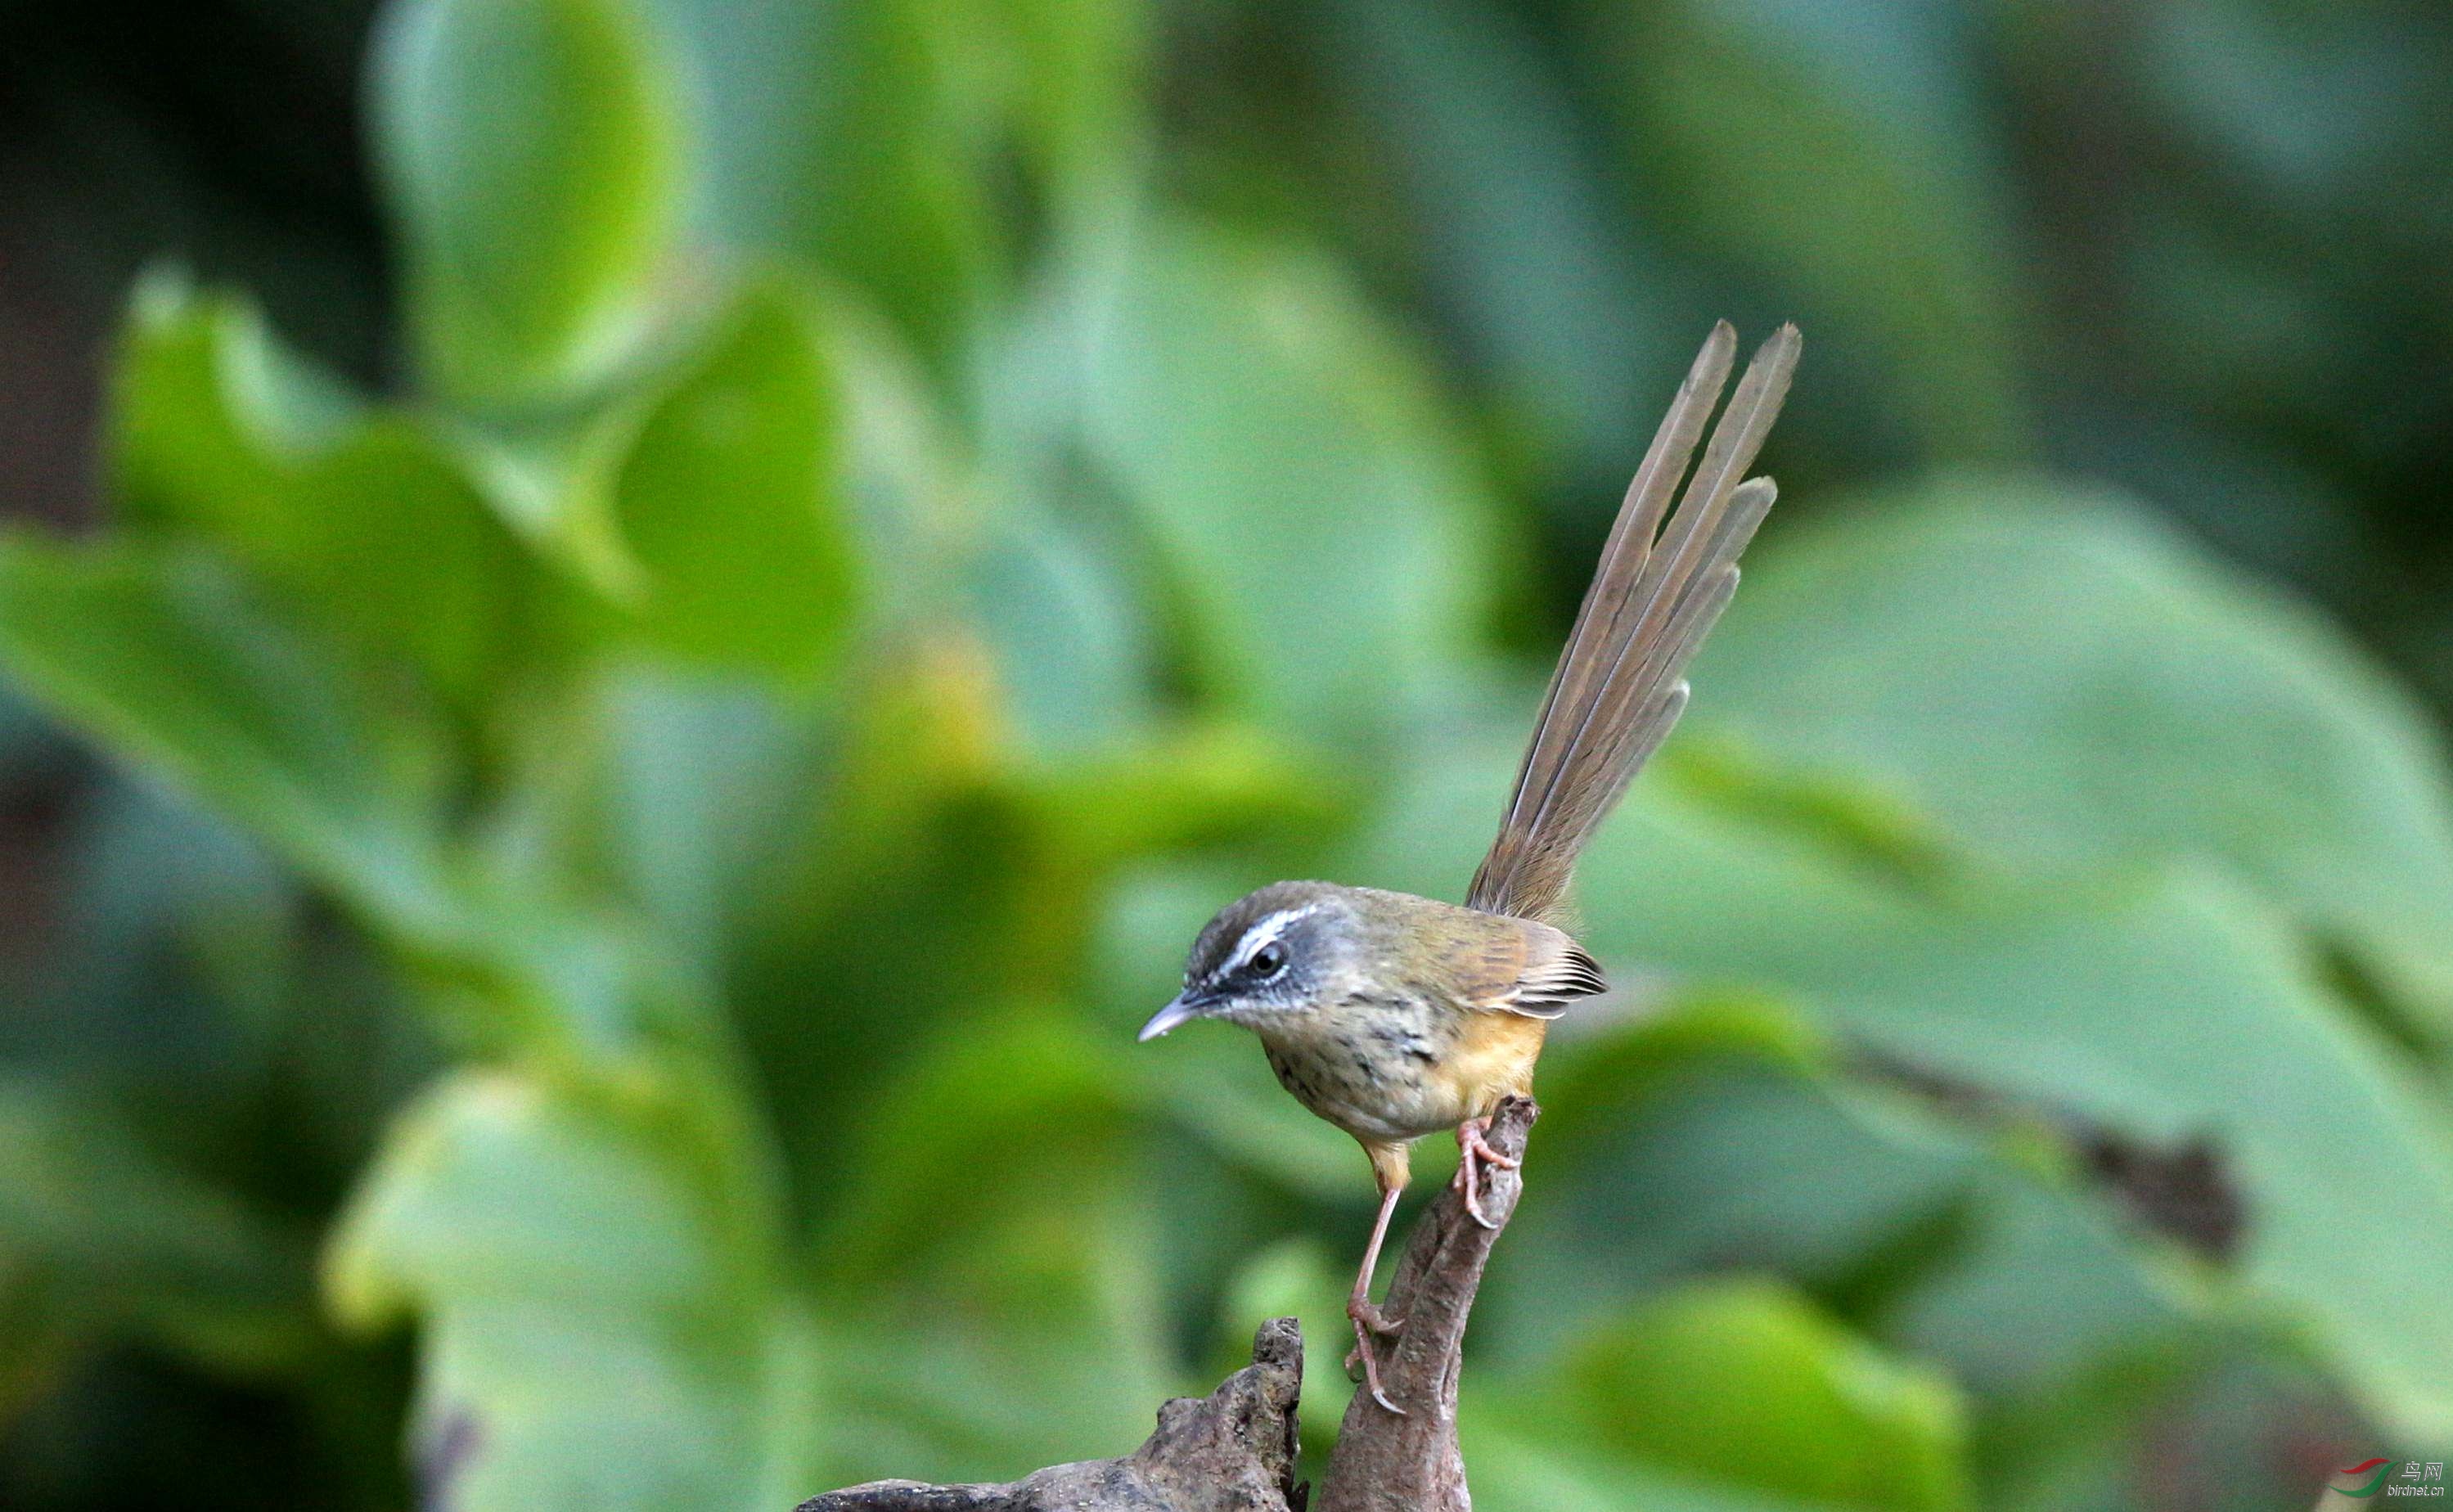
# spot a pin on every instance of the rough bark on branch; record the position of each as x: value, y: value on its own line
x: 1234, y: 1450
x: 1231, y: 1451
x: 1388, y: 1463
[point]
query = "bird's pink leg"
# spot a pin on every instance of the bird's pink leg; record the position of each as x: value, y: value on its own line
x: 1367, y: 1319
x: 1473, y: 1150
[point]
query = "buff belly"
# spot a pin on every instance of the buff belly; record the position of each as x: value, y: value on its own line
x: 1385, y: 1076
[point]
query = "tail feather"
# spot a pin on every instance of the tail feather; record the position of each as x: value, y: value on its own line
x: 1658, y: 589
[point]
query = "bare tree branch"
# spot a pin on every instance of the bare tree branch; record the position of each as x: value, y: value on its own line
x: 1234, y: 1450
x: 1384, y: 1463
x: 1231, y: 1451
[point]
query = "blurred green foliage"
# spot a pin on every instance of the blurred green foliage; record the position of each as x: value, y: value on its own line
x: 633, y: 856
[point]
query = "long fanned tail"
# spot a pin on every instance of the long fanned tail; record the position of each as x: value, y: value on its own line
x: 1618, y: 688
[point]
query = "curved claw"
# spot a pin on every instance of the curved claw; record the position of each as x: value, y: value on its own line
x: 1365, y: 1315
x: 1368, y: 1320
x: 1473, y: 1153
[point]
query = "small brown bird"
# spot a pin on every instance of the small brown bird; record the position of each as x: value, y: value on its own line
x: 1393, y: 1016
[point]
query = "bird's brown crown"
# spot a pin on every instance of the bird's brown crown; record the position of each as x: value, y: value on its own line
x: 1227, y: 938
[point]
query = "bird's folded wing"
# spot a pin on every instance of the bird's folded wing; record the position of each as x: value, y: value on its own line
x: 1536, y: 971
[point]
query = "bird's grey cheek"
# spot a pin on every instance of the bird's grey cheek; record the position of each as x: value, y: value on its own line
x: 1292, y: 999
x: 1243, y: 1014
x: 1253, y: 1009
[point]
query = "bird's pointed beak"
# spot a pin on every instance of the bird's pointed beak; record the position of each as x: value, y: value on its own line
x: 1188, y: 1005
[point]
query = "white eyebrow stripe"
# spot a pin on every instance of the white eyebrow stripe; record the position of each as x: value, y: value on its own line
x: 1262, y: 933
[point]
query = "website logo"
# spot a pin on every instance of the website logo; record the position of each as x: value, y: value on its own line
x: 2390, y: 1478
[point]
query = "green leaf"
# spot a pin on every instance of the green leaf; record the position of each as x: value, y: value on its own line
x: 164, y: 659
x: 550, y: 478
x: 1563, y: 301
x: 2077, y: 965
x: 709, y: 783
x: 2169, y: 1010
x: 996, y: 1257
x: 1937, y: 1231
x: 101, y: 1238
x: 1601, y: 1075
x: 1070, y: 76
x: 1029, y: 1080
x: 27, y: 739
x: 362, y: 520
x: 1844, y: 155
x: 534, y: 160
x: 879, y: 139
x: 1295, y: 1278
x: 1732, y: 1156
x: 1217, y: 1086
x: 2058, y: 688
x: 2039, y: 1292
x: 1071, y: 655
x: 1523, y: 1467
x: 729, y: 499
x: 903, y: 219
x: 185, y: 934
x: 596, y: 1332
x: 2169, y: 1013
x: 210, y: 409
x: 1742, y: 1380
x: 852, y: 147
x: 1355, y: 519
x: 763, y: 82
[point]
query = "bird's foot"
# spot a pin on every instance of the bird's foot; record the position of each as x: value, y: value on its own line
x: 1473, y: 1153
x: 1369, y: 1320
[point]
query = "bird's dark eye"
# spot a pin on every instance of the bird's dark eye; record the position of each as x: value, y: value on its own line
x: 1268, y: 961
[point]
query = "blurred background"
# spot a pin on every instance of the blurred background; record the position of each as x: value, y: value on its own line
x: 636, y: 632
